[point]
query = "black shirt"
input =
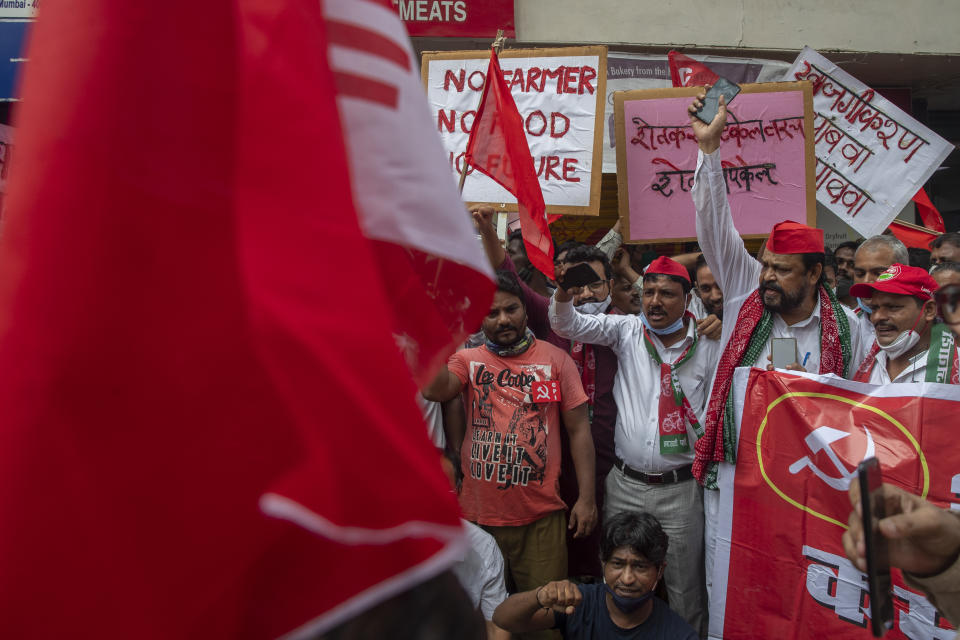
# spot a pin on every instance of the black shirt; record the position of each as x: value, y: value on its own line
x: 592, y: 620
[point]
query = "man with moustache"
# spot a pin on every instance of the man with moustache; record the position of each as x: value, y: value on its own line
x: 910, y: 345
x: 945, y: 248
x: 597, y: 365
x: 625, y: 297
x: 707, y: 290
x: 780, y: 295
x: 660, y: 390
x: 872, y: 258
x: 518, y: 391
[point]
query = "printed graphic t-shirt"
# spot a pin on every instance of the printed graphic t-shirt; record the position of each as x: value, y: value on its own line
x: 511, y: 452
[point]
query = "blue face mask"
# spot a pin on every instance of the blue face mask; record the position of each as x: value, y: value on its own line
x: 863, y: 305
x: 673, y: 328
x: 628, y: 604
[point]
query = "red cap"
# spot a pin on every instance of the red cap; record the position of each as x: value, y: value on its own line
x: 667, y: 267
x: 793, y: 237
x: 899, y: 280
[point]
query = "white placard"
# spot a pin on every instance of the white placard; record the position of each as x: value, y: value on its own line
x: 557, y: 97
x: 871, y: 156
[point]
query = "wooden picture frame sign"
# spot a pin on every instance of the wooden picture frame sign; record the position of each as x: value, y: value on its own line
x: 767, y: 151
x: 560, y: 94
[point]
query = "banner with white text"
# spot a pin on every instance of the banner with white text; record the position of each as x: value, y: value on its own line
x: 780, y: 570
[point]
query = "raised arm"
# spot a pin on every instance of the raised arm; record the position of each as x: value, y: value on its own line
x: 567, y: 322
x: 533, y: 610
x: 734, y: 269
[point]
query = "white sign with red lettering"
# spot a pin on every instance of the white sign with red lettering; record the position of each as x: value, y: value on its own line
x: 871, y: 156
x: 559, y: 98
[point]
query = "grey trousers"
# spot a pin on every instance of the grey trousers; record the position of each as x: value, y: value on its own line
x: 679, y: 508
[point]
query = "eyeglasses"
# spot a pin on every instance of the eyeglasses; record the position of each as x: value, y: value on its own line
x: 948, y: 298
x: 597, y: 286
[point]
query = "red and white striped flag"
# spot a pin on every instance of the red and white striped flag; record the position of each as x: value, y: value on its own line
x: 208, y: 429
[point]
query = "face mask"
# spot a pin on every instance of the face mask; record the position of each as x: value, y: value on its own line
x: 673, y: 328
x: 902, y: 343
x: 863, y: 305
x: 628, y: 604
x: 594, y: 308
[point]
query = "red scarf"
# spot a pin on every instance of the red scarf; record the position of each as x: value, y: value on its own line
x: 710, y: 448
x: 863, y: 373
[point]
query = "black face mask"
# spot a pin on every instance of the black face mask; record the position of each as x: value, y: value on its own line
x: 843, y: 286
x: 627, y: 604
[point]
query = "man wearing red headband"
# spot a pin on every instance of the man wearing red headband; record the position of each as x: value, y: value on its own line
x: 782, y: 296
x: 910, y: 346
x: 660, y: 390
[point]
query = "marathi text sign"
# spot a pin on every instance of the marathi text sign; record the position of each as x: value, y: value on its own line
x: 784, y: 505
x: 559, y: 94
x: 632, y: 71
x: 767, y: 157
x: 457, y: 18
x: 871, y: 156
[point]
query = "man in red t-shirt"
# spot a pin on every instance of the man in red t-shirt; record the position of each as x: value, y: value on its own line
x: 520, y: 392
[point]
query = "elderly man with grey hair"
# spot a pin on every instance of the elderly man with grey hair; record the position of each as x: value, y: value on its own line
x: 872, y: 258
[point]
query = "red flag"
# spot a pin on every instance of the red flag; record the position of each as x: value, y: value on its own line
x: 928, y: 213
x: 912, y: 235
x: 687, y: 72
x: 498, y: 148
x: 196, y: 332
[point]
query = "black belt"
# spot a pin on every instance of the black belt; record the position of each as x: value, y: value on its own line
x: 668, y: 477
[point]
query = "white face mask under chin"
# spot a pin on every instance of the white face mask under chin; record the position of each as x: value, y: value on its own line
x: 594, y: 308
x: 901, y: 344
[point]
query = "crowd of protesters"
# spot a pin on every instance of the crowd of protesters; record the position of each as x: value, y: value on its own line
x: 585, y: 424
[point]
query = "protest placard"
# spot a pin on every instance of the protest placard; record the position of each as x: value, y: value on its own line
x: 633, y: 71
x: 559, y: 94
x: 784, y: 506
x: 871, y: 156
x: 767, y: 151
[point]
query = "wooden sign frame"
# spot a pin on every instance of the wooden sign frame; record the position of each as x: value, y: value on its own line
x: 810, y: 158
x: 596, y: 172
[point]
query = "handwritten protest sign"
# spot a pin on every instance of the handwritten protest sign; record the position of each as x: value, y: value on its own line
x: 633, y: 71
x: 871, y: 156
x: 767, y: 151
x: 559, y: 93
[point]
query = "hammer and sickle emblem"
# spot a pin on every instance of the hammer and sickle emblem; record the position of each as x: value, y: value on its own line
x: 822, y: 439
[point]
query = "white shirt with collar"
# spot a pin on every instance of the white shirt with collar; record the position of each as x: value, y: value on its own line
x: 738, y: 273
x: 636, y: 387
x: 916, y: 371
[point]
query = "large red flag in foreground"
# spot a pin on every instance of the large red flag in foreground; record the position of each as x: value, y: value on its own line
x: 196, y: 333
x: 780, y: 570
x: 687, y: 72
x: 498, y: 148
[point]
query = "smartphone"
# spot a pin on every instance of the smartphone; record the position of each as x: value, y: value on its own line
x: 579, y: 275
x: 711, y: 103
x: 878, y: 557
x: 783, y: 352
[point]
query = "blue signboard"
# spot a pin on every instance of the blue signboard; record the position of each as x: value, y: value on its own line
x: 13, y: 40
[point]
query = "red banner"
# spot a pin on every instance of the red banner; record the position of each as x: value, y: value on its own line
x: 784, y: 506
x: 457, y: 18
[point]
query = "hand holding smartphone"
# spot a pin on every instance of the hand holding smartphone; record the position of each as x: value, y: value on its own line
x: 711, y: 103
x: 783, y: 352
x: 878, y: 556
